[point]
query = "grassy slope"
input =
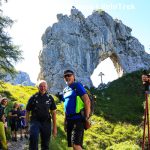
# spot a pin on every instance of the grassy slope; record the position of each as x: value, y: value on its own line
x: 16, y: 93
x: 117, y: 120
x: 120, y: 111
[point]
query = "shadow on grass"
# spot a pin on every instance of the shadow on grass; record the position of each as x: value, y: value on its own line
x: 60, y: 142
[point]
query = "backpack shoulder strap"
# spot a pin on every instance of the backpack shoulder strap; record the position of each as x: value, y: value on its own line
x: 75, y: 87
x: 50, y: 97
x: 79, y: 100
x: 34, y: 99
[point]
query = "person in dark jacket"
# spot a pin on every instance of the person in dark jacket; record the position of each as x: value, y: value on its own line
x: 146, y: 80
x: 14, y: 121
x: 43, y: 109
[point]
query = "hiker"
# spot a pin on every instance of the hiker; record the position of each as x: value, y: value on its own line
x: 3, y: 141
x: 22, y: 122
x: 74, y: 121
x: 40, y: 121
x: 146, y: 80
x: 14, y: 121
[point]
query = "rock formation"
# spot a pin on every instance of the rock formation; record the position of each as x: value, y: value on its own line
x: 80, y: 44
x: 21, y: 78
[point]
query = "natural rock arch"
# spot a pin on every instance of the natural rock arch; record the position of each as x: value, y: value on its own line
x: 80, y: 44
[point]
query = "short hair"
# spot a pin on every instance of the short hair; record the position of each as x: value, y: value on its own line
x: 41, y: 81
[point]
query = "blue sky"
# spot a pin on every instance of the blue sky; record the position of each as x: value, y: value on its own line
x: 34, y: 16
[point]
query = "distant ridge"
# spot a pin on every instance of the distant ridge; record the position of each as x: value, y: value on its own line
x: 21, y: 78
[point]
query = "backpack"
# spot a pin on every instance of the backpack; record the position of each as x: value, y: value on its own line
x: 41, y: 109
x: 80, y: 103
x: 92, y: 98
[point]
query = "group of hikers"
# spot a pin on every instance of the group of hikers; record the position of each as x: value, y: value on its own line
x: 39, y: 117
x: 15, y: 119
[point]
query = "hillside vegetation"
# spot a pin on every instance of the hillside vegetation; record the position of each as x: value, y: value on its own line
x: 117, y: 121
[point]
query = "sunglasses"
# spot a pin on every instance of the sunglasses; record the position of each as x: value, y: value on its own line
x: 67, y: 75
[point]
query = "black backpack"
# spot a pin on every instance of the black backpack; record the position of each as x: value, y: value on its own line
x: 41, y: 109
x: 92, y: 98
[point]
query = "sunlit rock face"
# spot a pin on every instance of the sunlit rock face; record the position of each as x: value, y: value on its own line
x: 80, y: 44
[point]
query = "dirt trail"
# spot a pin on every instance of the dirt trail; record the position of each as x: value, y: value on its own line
x: 19, y: 145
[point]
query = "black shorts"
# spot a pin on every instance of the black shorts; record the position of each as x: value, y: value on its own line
x: 75, y: 131
x: 14, y: 126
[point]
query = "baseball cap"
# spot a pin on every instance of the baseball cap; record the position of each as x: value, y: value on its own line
x: 68, y: 72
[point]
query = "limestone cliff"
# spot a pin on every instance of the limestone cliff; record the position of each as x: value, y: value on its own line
x: 80, y: 44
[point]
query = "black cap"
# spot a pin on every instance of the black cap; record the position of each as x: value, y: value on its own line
x: 68, y: 72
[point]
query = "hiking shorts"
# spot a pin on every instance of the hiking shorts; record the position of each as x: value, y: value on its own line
x: 75, y: 131
x: 14, y: 125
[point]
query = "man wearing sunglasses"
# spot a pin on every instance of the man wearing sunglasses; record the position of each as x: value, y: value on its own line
x: 74, y: 119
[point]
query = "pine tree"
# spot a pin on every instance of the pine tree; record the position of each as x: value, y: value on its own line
x: 9, y: 53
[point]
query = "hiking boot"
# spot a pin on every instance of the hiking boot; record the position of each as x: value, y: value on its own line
x: 26, y: 136
x: 15, y: 139
x: 21, y: 138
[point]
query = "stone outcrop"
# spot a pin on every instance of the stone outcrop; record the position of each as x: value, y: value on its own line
x: 21, y: 78
x: 80, y: 44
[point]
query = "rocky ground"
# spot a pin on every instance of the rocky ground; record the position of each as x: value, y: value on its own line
x: 19, y: 145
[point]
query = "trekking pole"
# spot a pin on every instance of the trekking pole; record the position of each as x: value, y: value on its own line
x: 143, y: 142
x: 146, y: 122
x: 147, y: 98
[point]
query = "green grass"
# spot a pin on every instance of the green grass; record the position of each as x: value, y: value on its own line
x: 118, y: 117
x: 122, y: 100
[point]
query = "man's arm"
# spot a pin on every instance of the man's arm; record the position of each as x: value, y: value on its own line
x: 27, y: 117
x: 86, y: 100
x: 65, y: 123
x: 3, y: 118
x: 53, y: 112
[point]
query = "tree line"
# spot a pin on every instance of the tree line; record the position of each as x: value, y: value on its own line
x: 10, y: 53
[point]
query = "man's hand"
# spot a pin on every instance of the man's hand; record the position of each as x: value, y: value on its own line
x: 65, y: 125
x: 54, y: 123
x: 55, y: 132
x: 87, y: 124
x: 5, y: 125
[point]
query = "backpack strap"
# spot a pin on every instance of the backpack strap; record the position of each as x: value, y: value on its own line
x: 79, y: 101
x: 35, y: 99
